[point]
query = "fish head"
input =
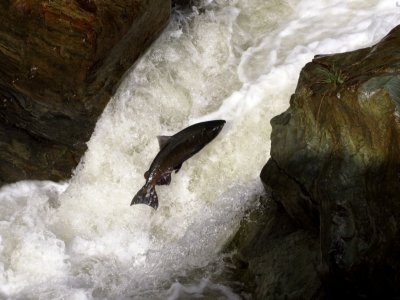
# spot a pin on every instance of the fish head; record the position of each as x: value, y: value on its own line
x: 212, y: 128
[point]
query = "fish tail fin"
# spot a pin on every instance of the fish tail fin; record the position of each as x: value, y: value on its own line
x: 146, y: 195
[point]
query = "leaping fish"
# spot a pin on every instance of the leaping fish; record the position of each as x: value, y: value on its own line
x: 174, y: 150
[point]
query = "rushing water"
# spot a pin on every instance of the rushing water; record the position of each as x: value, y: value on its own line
x: 236, y: 60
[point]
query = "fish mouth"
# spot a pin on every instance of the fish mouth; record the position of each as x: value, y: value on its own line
x: 213, y: 128
x: 221, y: 122
x: 218, y: 125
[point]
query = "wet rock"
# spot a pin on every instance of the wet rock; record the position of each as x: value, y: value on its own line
x: 338, y: 143
x: 60, y: 62
x: 276, y: 259
x: 182, y: 3
x: 335, y: 171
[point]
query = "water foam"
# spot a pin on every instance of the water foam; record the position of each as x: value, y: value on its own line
x: 237, y: 60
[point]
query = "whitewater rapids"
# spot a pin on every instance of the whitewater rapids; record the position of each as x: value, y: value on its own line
x: 237, y: 60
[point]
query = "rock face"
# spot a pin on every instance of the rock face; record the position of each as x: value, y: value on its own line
x: 335, y: 169
x: 60, y: 62
x: 182, y: 3
x: 276, y: 259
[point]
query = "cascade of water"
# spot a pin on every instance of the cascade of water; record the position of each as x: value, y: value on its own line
x: 236, y: 60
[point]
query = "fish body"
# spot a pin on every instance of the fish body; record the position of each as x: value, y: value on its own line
x: 174, y: 150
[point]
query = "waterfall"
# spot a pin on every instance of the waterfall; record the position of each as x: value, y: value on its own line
x: 237, y: 60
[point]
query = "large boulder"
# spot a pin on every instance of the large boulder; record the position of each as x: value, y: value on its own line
x: 60, y: 62
x: 335, y: 169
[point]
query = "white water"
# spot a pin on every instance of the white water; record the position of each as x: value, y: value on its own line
x: 236, y: 60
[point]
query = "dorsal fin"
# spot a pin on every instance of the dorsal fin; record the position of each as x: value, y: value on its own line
x: 163, y: 140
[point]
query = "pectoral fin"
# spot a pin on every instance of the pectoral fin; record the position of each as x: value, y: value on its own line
x: 165, y: 179
x: 178, y: 168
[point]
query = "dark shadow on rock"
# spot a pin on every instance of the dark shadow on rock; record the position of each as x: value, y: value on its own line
x: 334, y: 174
x: 276, y: 259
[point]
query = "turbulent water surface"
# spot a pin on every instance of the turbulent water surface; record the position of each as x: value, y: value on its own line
x: 237, y: 60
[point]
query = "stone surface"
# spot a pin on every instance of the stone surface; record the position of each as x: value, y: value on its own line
x: 338, y: 143
x: 182, y: 3
x: 277, y: 259
x: 335, y: 171
x: 60, y: 62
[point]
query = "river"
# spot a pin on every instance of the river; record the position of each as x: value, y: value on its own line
x: 237, y: 60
